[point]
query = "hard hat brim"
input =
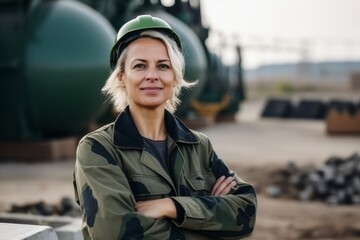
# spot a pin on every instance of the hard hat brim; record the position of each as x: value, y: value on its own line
x: 131, y: 31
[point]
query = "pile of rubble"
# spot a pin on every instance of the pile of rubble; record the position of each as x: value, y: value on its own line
x: 335, y: 182
x: 66, y: 207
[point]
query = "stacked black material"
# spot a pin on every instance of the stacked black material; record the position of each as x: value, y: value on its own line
x: 279, y: 108
x: 344, y: 106
x: 66, y: 207
x: 336, y: 182
x: 309, y: 109
x: 306, y: 108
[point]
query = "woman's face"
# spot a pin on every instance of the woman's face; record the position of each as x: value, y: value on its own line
x: 148, y: 75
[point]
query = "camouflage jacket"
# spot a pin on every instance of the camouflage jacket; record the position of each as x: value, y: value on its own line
x: 114, y: 169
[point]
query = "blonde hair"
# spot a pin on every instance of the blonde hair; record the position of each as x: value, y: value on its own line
x: 117, y: 94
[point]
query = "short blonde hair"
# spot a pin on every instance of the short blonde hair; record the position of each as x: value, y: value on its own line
x: 117, y: 94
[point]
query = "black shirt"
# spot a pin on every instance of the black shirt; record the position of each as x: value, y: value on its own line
x: 158, y: 149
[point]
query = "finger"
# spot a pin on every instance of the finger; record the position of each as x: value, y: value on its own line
x: 217, y: 184
x: 223, y: 186
x: 228, y: 188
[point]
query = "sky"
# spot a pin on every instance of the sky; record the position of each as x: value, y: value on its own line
x: 277, y: 31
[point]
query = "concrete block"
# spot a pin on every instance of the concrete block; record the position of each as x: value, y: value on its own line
x: 12, y: 231
x: 66, y: 228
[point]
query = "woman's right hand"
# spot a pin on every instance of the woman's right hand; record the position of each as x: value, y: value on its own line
x: 223, y: 186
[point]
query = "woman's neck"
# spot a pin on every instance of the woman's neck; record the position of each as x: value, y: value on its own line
x: 149, y: 122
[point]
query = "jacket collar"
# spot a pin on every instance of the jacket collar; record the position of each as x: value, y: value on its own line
x: 126, y: 135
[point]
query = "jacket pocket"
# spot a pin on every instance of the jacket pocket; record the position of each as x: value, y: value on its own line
x: 200, y: 183
x: 148, y: 187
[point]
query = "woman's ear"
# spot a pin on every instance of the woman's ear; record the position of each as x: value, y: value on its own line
x: 120, y: 78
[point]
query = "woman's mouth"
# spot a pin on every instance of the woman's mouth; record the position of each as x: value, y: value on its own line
x: 151, y: 89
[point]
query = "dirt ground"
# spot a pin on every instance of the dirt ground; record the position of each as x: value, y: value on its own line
x: 254, y: 147
x: 281, y: 218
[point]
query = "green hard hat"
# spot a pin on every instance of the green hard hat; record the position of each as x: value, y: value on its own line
x: 131, y: 30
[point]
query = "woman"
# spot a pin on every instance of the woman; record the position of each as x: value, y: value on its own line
x: 146, y: 175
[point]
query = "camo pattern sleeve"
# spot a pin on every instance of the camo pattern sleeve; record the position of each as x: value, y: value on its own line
x: 224, y: 217
x: 107, y: 202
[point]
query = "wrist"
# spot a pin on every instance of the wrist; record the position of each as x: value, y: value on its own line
x: 170, y: 209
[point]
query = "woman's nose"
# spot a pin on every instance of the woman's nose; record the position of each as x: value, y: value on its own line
x: 152, y: 74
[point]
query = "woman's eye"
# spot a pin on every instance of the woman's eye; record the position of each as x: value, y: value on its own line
x: 140, y: 66
x: 164, y: 66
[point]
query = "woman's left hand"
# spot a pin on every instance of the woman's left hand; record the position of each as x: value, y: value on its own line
x: 158, y: 209
x: 223, y: 186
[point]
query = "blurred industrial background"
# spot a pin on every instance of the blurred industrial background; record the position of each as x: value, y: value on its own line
x: 55, y: 58
x: 282, y: 107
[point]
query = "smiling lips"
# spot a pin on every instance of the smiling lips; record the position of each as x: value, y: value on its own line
x: 151, y: 89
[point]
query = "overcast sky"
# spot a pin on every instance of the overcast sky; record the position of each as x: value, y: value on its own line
x: 311, y: 30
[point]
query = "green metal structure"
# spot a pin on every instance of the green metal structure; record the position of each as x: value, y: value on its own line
x: 54, y: 59
x: 55, y: 62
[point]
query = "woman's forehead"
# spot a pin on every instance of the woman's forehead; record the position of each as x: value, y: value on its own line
x: 144, y: 42
x: 147, y: 48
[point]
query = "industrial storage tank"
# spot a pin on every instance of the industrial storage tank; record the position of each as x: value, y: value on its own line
x: 57, y: 60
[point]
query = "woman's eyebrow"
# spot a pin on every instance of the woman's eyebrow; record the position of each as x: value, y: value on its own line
x: 164, y: 60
